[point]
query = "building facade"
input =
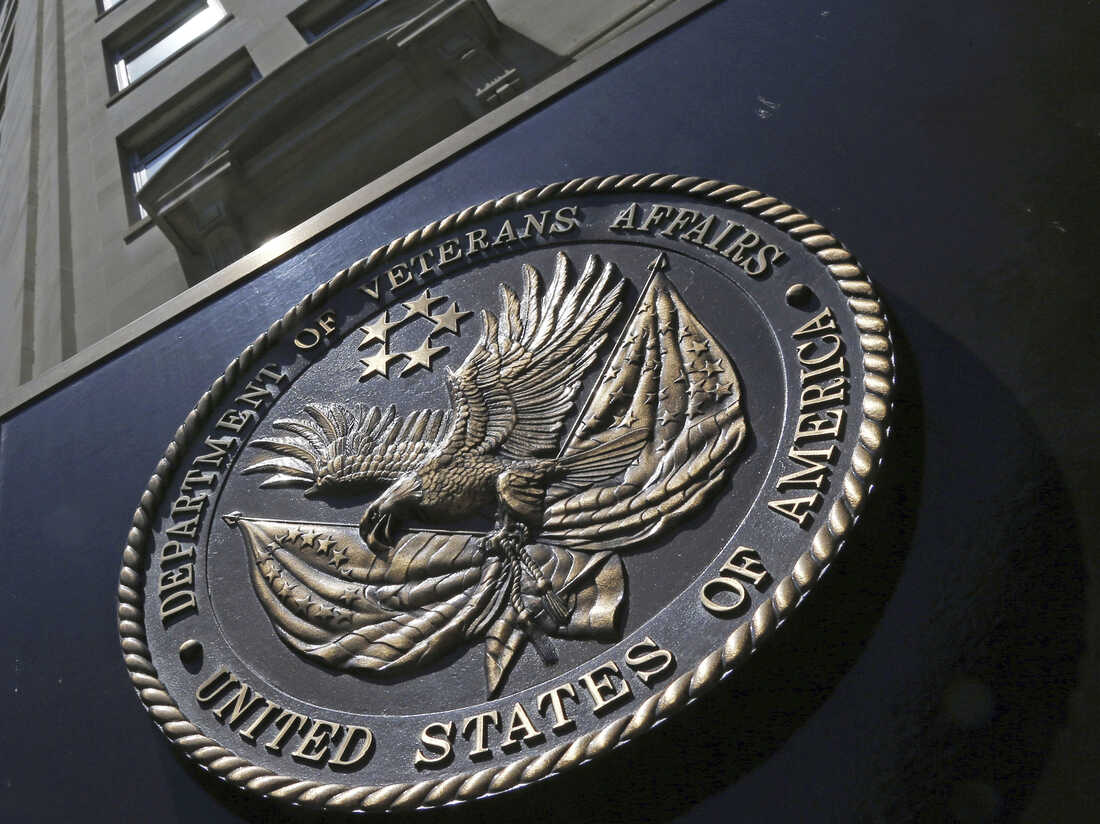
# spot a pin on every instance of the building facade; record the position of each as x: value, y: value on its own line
x: 145, y: 144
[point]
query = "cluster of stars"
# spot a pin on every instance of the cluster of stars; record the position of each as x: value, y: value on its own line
x: 701, y: 376
x: 377, y: 333
x: 298, y: 597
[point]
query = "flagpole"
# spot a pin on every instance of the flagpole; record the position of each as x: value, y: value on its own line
x: 657, y: 265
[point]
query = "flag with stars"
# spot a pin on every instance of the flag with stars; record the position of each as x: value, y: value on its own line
x: 672, y: 380
x: 331, y: 598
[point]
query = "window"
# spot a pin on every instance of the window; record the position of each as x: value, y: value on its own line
x: 169, y: 129
x: 322, y: 16
x: 106, y: 5
x: 189, y: 22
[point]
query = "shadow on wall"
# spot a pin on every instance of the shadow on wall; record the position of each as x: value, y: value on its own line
x: 925, y: 677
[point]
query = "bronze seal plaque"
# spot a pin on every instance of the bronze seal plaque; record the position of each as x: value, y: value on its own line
x: 505, y: 493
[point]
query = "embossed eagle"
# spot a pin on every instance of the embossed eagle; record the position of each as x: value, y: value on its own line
x: 657, y: 434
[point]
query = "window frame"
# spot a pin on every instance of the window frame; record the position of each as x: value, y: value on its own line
x: 316, y: 18
x: 104, y: 6
x: 149, y: 140
x: 127, y: 46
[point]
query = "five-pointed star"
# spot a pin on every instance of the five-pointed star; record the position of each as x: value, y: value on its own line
x: 376, y: 364
x: 712, y: 368
x: 448, y: 320
x: 422, y: 305
x: 339, y: 556
x: 421, y: 356
x: 721, y: 389
x: 666, y: 418
x: 324, y: 545
x: 349, y: 596
x: 627, y: 420
x: 377, y: 332
x: 617, y: 394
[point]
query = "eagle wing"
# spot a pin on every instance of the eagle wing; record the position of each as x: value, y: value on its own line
x: 340, y: 445
x: 514, y: 390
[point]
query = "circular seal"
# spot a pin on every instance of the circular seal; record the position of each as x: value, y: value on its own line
x: 506, y: 492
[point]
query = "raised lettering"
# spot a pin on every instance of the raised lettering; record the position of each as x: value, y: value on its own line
x: 737, y: 250
x: 650, y: 661
x: 314, y: 749
x: 221, y: 447
x: 600, y: 686
x: 424, y: 260
x: 626, y: 219
x: 683, y: 218
x: 177, y: 603
x: 215, y: 685
x: 506, y: 235
x: 822, y: 322
x: 449, y: 251
x: 438, y: 739
x: 552, y: 699
x: 656, y: 214
x: 816, y: 426
x: 745, y: 563
x: 816, y: 470
x: 399, y: 276
x: 235, y: 420
x: 535, y: 224
x: 807, y: 351
x: 761, y: 263
x: 565, y: 220
x: 183, y: 529
x: 478, y: 725
x: 726, y: 230
x: 286, y: 725
x: 370, y: 289
x: 476, y: 241
x: 520, y: 731
x: 346, y: 757
x: 830, y: 394
x: 194, y: 478
x: 697, y: 234
x: 714, y: 596
x: 250, y: 732
x: 175, y: 551
x: 181, y: 576
x: 239, y: 705
x: 797, y: 509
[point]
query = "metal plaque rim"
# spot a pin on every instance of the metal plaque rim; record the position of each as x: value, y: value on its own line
x: 877, y: 353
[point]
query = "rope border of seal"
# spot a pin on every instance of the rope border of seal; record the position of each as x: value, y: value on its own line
x: 877, y: 351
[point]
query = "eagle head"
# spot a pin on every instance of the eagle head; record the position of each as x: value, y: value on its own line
x: 377, y: 526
